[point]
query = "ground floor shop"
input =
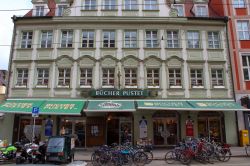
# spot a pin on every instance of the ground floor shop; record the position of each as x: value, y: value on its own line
x: 97, y: 122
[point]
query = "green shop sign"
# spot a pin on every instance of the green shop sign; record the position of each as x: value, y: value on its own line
x: 119, y: 93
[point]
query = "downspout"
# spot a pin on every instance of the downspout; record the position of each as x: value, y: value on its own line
x: 232, y: 77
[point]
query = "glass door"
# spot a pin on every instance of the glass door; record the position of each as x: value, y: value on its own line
x: 125, y: 132
x: 79, y: 131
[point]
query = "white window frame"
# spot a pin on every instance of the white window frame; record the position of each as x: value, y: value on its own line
x: 151, y: 39
x: 213, y: 39
x: 130, y: 4
x: 172, y: 38
x: 151, y: 5
x: 191, y: 42
x: 67, y: 41
x: 40, y: 11
x: 26, y: 39
x: 46, y: 39
x: 44, y: 72
x: 203, y: 12
x: 66, y: 80
x: 130, y: 79
x: 60, y: 9
x: 196, y: 78
x: 239, y: 4
x: 108, y: 78
x: 180, y: 9
x: 153, y: 78
x: 175, y: 79
x: 86, y: 41
x: 130, y: 41
x: 216, y: 81
x: 24, y: 76
x: 241, y: 29
x: 111, y: 36
x: 246, y: 66
x: 109, y: 5
x: 84, y: 79
x: 91, y: 5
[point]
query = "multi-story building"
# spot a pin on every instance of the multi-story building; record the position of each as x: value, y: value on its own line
x: 110, y: 70
x: 3, y: 84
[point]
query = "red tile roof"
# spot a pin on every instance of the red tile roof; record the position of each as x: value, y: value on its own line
x: 52, y: 8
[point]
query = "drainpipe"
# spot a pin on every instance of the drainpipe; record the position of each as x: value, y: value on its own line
x: 233, y: 88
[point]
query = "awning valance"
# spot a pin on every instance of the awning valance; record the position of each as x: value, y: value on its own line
x: 164, y: 104
x: 110, y: 106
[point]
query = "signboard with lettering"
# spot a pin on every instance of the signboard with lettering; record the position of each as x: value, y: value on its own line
x: 119, y: 93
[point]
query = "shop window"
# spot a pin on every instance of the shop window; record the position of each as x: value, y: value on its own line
x: 95, y: 130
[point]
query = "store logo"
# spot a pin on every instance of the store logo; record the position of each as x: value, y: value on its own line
x: 110, y: 105
x: 202, y: 104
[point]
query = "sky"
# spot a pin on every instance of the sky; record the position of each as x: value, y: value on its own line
x: 6, y: 26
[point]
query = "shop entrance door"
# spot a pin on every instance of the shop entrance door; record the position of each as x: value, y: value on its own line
x: 125, y: 131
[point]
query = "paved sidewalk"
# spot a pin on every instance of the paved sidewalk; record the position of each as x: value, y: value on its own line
x: 85, y: 155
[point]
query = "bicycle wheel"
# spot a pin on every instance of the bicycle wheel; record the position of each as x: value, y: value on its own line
x: 95, y: 159
x: 150, y: 157
x: 170, y: 157
x: 185, y: 159
x: 247, y: 148
x: 127, y: 159
x: 228, y: 154
x: 140, y: 158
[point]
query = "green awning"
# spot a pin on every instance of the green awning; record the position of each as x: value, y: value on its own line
x: 110, y: 106
x: 164, y: 104
x: 23, y: 106
x: 62, y: 107
x: 216, y: 105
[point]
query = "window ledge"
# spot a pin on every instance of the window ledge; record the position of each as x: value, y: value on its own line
x: 175, y: 48
x: 244, y: 39
x: 108, y: 86
x: 240, y: 7
x: 48, y: 48
x: 131, y: 87
x: 63, y: 87
x: 152, y: 48
x: 20, y: 87
x: 108, y: 48
x: 26, y: 49
x: 200, y: 49
x: 85, y: 87
x: 68, y: 48
x: 132, y: 48
x: 133, y: 10
x: 91, y: 10
x: 87, y: 48
x: 41, y: 86
x: 219, y: 87
x: 109, y: 10
x: 175, y: 87
x: 148, y: 10
x: 215, y: 49
x: 153, y: 87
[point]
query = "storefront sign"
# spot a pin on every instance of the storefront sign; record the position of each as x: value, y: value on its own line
x: 18, y: 105
x: 143, y: 128
x: 59, y: 106
x: 110, y: 105
x: 119, y: 93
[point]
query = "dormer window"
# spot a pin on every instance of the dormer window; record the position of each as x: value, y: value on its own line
x: 60, y: 9
x: 39, y: 10
x: 179, y: 8
x: 201, y: 10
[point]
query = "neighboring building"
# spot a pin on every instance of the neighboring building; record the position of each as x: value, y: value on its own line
x: 107, y: 71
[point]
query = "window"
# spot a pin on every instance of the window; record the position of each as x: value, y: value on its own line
x: 22, y: 77
x: 130, y: 77
x: 88, y: 39
x: 243, y: 30
x: 217, y: 78
x: 196, y: 78
x: 153, y: 79
x: 60, y: 10
x: 174, y: 78
x: 64, y: 77
x: 239, y: 3
x: 109, y: 39
x: 180, y: 9
x: 86, y: 77
x: 42, y: 77
x: 108, y: 77
x: 46, y: 39
x: 150, y: 5
x: 39, y: 10
x: 130, y: 39
x: 151, y: 39
x: 131, y: 5
x: 109, y: 4
x: 193, y: 39
x: 201, y: 11
x: 26, y: 39
x: 90, y: 4
x: 213, y: 40
x: 67, y: 38
x: 246, y: 66
x: 172, y: 39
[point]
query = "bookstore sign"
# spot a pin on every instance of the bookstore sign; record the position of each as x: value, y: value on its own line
x: 119, y: 93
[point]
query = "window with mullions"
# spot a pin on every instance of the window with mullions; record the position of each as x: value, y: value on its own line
x: 153, y: 77
x: 239, y: 3
x: 64, y: 77
x: 42, y: 77
x: 180, y: 9
x: 130, y: 5
x: 60, y: 9
x: 26, y: 39
x: 22, y: 77
x: 201, y: 11
x: 151, y: 39
x: 217, y: 77
x: 90, y: 5
x: 150, y: 5
x: 130, y: 77
x: 243, y: 30
x: 196, y: 77
x: 67, y: 38
x: 246, y: 66
x: 174, y: 78
x: 108, y: 77
x: 88, y: 39
x: 130, y: 39
x: 193, y: 39
x: 213, y: 40
x: 46, y: 39
x: 86, y: 77
x: 109, y: 39
x: 109, y: 5
x: 39, y: 10
x: 172, y: 39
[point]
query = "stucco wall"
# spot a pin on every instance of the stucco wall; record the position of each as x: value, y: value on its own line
x: 231, y: 127
x: 6, y: 127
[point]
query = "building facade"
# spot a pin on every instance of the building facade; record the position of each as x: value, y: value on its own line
x: 114, y: 71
